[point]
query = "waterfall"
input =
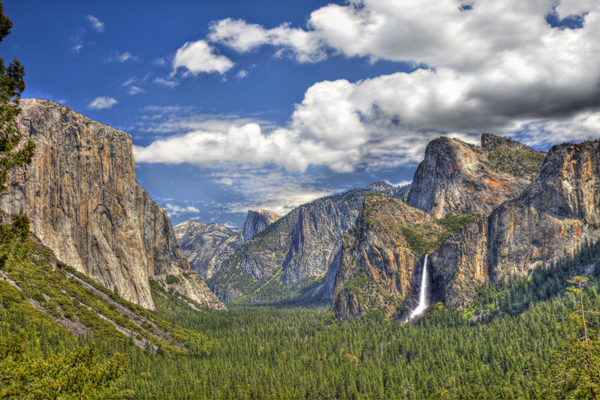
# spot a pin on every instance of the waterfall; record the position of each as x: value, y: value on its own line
x: 423, y: 295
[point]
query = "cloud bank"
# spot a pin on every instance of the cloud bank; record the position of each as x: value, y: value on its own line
x: 498, y: 66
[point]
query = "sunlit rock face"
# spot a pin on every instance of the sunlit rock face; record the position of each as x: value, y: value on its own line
x: 256, y: 222
x: 462, y: 178
x: 382, y: 265
x: 206, y: 246
x: 554, y: 215
x: 84, y: 202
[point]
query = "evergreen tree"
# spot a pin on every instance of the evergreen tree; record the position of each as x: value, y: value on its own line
x: 13, y: 153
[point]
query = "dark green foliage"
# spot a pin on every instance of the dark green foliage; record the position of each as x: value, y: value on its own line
x: 419, y: 243
x: 453, y: 222
x: 516, y: 294
x: 11, y: 86
x: 77, y: 375
x: 171, y: 279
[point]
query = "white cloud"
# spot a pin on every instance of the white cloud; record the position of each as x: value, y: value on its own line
x: 131, y: 80
x: 224, y: 181
x: 199, y: 57
x: 230, y: 224
x: 245, y: 37
x: 174, y: 210
x: 165, y: 82
x: 160, y: 61
x: 242, y: 74
x: 102, y: 102
x: 135, y: 90
x: 498, y: 67
x: 122, y: 57
x: 96, y: 23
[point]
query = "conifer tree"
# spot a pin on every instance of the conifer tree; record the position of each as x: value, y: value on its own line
x: 13, y: 153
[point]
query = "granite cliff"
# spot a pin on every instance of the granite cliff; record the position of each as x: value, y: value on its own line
x: 207, y: 246
x: 459, y: 177
x: 85, y: 204
x: 295, y: 259
x: 382, y: 258
x: 554, y: 215
x: 457, y: 184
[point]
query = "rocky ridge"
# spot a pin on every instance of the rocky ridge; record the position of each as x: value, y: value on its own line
x: 457, y: 177
x: 382, y: 258
x: 207, y: 246
x: 85, y: 204
x: 556, y: 214
x: 297, y: 256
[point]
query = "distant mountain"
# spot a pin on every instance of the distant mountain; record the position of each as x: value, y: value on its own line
x: 295, y: 258
x: 206, y: 246
x: 85, y: 204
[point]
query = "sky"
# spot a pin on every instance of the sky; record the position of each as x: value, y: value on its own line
x: 238, y: 105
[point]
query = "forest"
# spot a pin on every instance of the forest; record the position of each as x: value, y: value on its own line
x: 509, y: 344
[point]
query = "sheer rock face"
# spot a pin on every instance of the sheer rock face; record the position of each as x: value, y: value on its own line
x: 206, y: 246
x: 305, y: 243
x: 458, y: 177
x: 256, y: 222
x: 380, y: 269
x: 84, y: 202
x: 552, y: 216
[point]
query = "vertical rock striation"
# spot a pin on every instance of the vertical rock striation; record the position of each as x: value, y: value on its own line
x: 84, y: 202
x: 382, y: 259
x: 554, y: 215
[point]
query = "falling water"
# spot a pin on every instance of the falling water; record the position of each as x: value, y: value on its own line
x: 423, y: 295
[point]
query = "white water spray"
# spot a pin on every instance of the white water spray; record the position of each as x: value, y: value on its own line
x: 423, y: 295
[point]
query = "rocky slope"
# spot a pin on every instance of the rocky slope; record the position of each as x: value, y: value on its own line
x: 382, y: 258
x: 297, y: 256
x: 462, y: 178
x: 556, y: 213
x: 84, y: 202
x: 459, y: 185
x: 206, y: 246
x: 256, y: 222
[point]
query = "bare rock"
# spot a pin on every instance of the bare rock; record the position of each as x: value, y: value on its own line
x: 84, y: 202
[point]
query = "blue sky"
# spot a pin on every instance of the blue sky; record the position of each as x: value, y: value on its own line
x: 237, y: 105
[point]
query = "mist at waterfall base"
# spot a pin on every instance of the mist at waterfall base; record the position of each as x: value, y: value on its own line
x: 423, y: 295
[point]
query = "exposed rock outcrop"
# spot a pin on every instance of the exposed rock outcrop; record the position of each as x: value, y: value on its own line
x: 463, y: 178
x: 556, y: 213
x: 301, y: 246
x: 256, y: 222
x: 192, y: 286
x: 84, y: 202
x: 382, y: 258
x: 206, y: 246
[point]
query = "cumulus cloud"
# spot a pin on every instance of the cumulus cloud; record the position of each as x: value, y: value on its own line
x: 242, y: 74
x: 245, y: 37
x: 174, y: 210
x: 199, y: 57
x: 494, y: 67
x: 95, y: 23
x: 102, y: 102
